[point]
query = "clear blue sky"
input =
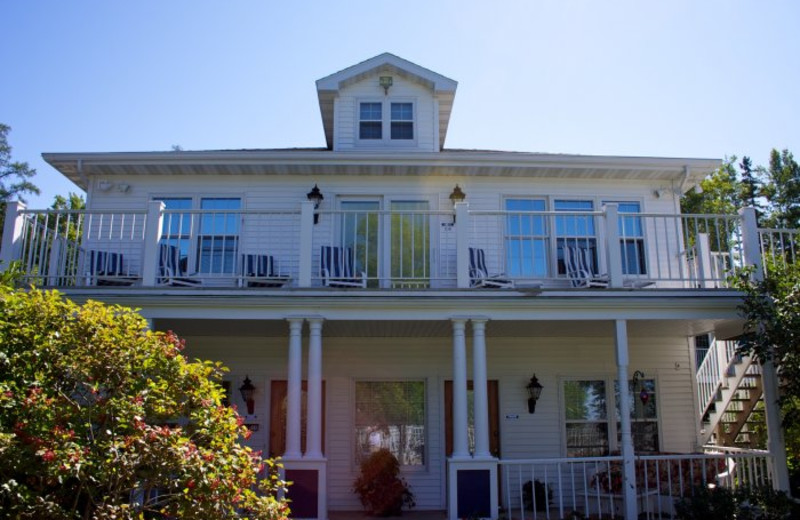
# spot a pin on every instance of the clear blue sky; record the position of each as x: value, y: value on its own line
x: 681, y: 78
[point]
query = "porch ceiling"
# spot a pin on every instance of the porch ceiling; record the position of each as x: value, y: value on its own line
x: 435, y: 328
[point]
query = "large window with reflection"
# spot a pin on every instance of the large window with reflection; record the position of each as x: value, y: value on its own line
x: 631, y: 238
x: 391, y: 415
x: 526, y: 238
x: 576, y: 230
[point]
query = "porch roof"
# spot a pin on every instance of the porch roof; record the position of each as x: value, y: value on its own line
x: 79, y: 167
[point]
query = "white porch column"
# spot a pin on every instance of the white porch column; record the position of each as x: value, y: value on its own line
x: 629, y: 466
x: 314, y: 432
x: 460, y: 445
x: 462, y: 245
x: 294, y: 389
x: 479, y: 388
x: 12, y: 233
x: 613, y: 255
x: 152, y: 236
x: 306, y: 240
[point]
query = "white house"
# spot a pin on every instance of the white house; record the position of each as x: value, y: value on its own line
x: 386, y: 291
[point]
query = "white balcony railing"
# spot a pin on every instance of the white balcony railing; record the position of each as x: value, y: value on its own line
x: 553, y: 488
x: 390, y: 249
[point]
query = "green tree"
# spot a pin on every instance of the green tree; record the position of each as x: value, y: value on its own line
x: 782, y: 190
x: 720, y: 193
x: 101, y: 418
x: 14, y: 176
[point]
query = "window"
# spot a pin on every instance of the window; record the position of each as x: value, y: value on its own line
x: 644, y: 415
x: 631, y: 238
x: 576, y: 230
x: 370, y: 124
x: 210, y: 238
x: 378, y: 120
x: 410, y: 243
x: 402, y: 121
x: 219, y: 236
x: 526, y: 239
x: 176, y: 229
x: 359, y: 228
x: 586, y: 418
x: 391, y: 415
x: 589, y: 433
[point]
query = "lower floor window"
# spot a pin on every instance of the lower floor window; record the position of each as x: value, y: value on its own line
x: 590, y: 433
x: 391, y: 415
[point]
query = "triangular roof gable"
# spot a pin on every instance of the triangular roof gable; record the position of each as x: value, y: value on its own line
x: 328, y: 87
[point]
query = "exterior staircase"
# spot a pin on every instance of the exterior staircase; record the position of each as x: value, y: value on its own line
x: 730, y: 397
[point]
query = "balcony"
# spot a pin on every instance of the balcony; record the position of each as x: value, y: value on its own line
x: 403, y: 249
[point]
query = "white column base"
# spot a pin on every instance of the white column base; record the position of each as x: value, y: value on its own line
x: 302, y: 472
x: 477, y: 478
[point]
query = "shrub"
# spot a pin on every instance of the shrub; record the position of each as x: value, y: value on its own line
x: 760, y: 503
x: 381, y: 491
x: 101, y: 418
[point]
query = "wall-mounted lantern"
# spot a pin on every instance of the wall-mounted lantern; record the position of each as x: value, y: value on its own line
x: 248, y: 390
x: 455, y: 197
x: 316, y: 197
x: 385, y: 82
x: 644, y: 395
x: 534, y: 388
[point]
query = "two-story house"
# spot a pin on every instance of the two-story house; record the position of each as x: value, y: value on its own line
x: 492, y: 318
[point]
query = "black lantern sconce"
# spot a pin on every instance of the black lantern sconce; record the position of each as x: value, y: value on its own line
x: 316, y: 197
x: 457, y: 196
x: 644, y: 395
x: 534, y: 388
x: 247, y: 389
x: 385, y: 82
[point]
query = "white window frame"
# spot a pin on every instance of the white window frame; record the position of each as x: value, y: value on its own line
x: 642, y: 238
x: 386, y: 122
x: 611, y: 408
x: 426, y: 414
x: 195, y: 228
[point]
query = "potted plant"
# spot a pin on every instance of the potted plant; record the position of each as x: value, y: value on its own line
x: 380, y: 488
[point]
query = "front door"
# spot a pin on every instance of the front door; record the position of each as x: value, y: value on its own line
x: 494, y: 419
x: 277, y: 418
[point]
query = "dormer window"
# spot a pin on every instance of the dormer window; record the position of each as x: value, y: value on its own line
x: 402, y: 121
x: 377, y: 120
x: 370, y: 124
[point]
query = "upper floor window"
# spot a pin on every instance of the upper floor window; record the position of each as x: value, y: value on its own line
x: 208, y: 240
x: 402, y: 121
x: 376, y: 120
x: 370, y: 125
x: 576, y: 230
x: 631, y: 238
x: 526, y: 238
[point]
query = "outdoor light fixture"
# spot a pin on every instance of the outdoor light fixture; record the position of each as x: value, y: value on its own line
x: 457, y: 196
x: 644, y: 395
x: 534, y: 391
x: 385, y: 82
x: 247, y: 389
x: 316, y: 197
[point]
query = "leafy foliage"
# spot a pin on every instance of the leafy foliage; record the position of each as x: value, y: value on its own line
x: 381, y: 490
x: 101, y: 418
x: 762, y: 503
x: 14, y: 176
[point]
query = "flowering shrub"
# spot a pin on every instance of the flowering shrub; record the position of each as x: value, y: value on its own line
x: 379, y: 487
x: 101, y: 418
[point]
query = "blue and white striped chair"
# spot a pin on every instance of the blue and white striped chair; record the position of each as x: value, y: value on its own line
x: 479, y: 274
x: 261, y: 271
x: 171, y: 268
x: 337, y: 269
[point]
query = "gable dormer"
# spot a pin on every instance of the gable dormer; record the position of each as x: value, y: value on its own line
x: 386, y: 103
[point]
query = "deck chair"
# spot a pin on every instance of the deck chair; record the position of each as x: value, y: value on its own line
x: 479, y: 274
x: 106, y: 268
x: 579, y: 271
x: 261, y: 271
x: 172, y: 270
x: 337, y: 268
